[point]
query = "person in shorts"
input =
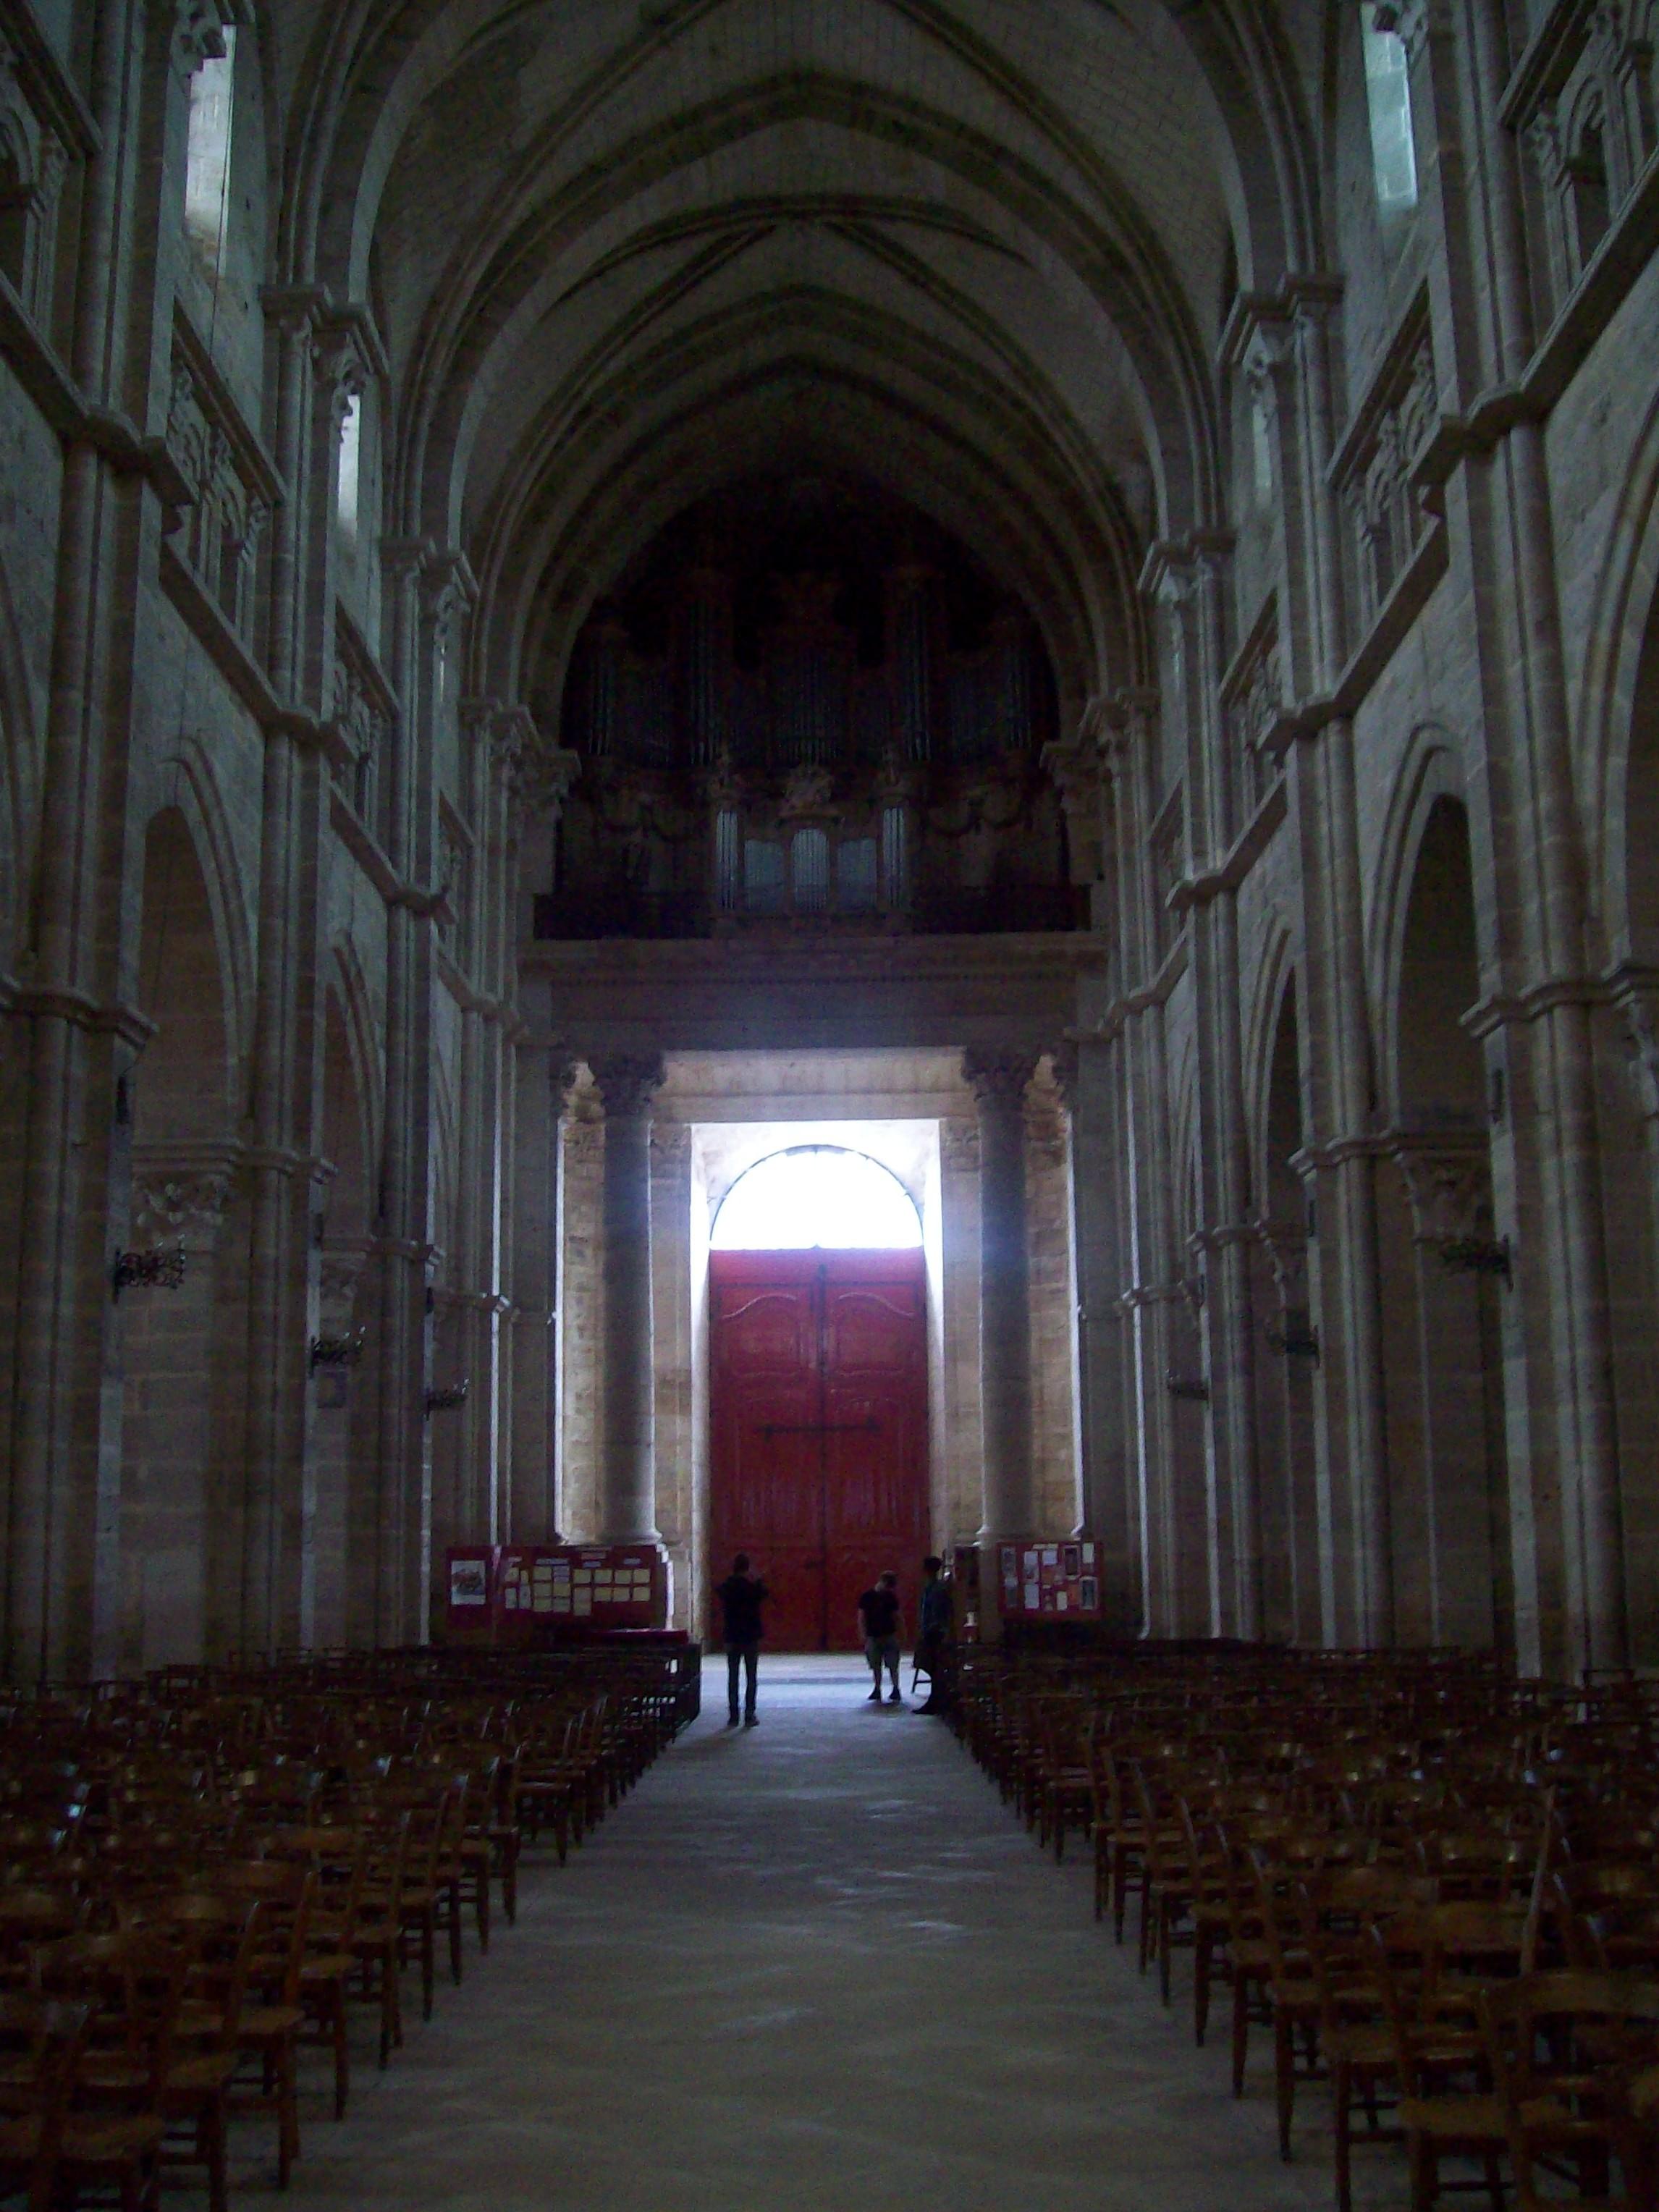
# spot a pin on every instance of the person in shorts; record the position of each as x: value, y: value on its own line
x: 883, y: 1624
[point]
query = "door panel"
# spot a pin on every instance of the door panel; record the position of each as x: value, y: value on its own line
x: 820, y: 1430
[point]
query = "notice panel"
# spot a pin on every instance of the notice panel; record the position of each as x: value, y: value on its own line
x: 1050, y: 1582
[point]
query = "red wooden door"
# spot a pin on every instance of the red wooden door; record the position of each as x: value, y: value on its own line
x: 818, y: 1421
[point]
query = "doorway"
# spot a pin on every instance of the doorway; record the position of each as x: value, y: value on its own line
x: 819, y: 1429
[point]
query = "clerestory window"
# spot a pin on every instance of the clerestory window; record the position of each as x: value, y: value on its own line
x: 351, y: 463
x: 206, y: 160
x: 1388, y: 98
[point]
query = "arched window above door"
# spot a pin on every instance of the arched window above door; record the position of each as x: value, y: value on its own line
x: 816, y: 1197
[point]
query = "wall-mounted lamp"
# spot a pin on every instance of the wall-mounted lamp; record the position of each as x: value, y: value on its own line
x: 159, y: 1270
x: 1186, y: 1386
x: 336, y: 1351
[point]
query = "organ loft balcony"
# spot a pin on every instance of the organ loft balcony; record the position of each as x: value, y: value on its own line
x: 808, y: 711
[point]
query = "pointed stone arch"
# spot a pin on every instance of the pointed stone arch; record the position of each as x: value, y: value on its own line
x: 180, y: 1348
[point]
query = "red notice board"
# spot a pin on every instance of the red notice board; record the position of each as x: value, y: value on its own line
x: 1050, y: 1582
x: 580, y: 1587
x: 470, y: 1610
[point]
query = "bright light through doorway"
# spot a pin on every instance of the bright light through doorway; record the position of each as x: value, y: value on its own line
x: 818, y: 1197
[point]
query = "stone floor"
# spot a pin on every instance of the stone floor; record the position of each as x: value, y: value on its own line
x: 814, y: 1964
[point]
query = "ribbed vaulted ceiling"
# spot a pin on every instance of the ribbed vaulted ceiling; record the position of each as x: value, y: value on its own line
x: 623, y: 252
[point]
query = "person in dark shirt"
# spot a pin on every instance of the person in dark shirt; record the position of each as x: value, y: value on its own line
x: 742, y: 1596
x: 883, y: 1624
x: 933, y: 1631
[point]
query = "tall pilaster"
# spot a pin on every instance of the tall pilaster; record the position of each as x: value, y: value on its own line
x: 999, y: 1081
x: 627, y: 1499
x: 80, y: 1038
x: 1146, y: 1287
x: 1536, y: 1027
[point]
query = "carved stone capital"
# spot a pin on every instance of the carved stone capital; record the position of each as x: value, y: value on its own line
x: 628, y: 1082
x: 1448, y: 1182
x: 546, y: 774
x: 338, y: 1276
x: 671, y: 1144
x: 958, y: 1147
x: 186, y: 1202
x: 198, y: 34
x: 1119, y: 722
x: 1414, y: 23
x: 1286, y: 1245
x: 1074, y: 771
x: 998, y: 1078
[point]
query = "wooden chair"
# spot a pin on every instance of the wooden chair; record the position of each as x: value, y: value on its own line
x: 1119, y: 1840
x: 1210, y: 1879
x: 1445, y: 2107
x: 428, y: 1831
x: 450, y: 1869
x: 29, y: 1917
x: 505, y: 1834
x: 1356, y: 2037
x: 52, y: 2150
x: 1563, y: 2048
x: 1064, y: 1777
x: 376, y: 1938
x: 1166, y: 1891
x: 273, y: 2012
x: 218, y: 1938
x: 133, y: 2078
x: 1291, y: 1989
x: 475, y: 1856
x: 40, y: 2048
x: 339, y: 1858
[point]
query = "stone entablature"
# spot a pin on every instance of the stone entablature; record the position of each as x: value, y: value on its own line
x: 843, y: 995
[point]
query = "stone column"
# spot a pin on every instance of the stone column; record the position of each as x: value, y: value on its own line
x: 627, y: 1501
x: 673, y: 1385
x: 1545, y: 1017
x: 174, y: 1347
x: 998, y: 1081
x: 78, y: 1042
x: 1461, y: 1486
x: 1150, y: 1289
x: 1289, y: 1511
x: 1051, y: 1241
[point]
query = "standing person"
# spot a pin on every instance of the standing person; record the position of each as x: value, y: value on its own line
x: 883, y: 1624
x: 936, y: 1619
x: 742, y: 1596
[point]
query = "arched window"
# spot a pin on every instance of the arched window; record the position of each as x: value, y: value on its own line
x: 207, y: 161
x: 16, y: 201
x: 1388, y: 97
x: 1586, y: 186
x: 818, y: 1197
x: 351, y: 465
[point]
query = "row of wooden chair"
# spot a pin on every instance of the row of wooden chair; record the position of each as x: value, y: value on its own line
x: 1409, y: 1871
x: 205, y: 1876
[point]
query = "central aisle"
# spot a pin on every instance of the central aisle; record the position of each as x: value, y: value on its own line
x: 811, y: 1964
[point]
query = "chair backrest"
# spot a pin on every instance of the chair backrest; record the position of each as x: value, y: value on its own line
x: 1571, y: 2042
x: 219, y: 1937
x: 287, y: 1889
x: 47, y: 2039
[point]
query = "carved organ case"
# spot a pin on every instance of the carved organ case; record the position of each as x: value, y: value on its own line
x: 807, y: 709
